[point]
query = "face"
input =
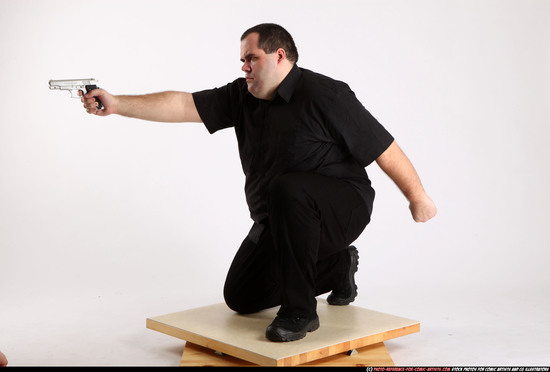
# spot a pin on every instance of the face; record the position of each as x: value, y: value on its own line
x: 261, y: 70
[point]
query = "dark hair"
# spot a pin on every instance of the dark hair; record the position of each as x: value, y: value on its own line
x: 273, y: 37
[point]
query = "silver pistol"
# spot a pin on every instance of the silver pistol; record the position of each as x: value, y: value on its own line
x: 85, y: 85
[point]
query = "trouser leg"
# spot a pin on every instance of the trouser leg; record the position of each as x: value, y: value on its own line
x: 301, y: 251
x: 313, y: 220
x: 253, y: 282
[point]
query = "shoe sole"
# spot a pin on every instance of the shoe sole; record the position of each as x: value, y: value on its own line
x: 354, y: 266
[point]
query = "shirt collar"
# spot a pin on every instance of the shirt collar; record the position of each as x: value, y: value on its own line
x: 289, y: 83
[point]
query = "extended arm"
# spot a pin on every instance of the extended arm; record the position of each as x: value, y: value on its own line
x: 168, y: 106
x: 399, y: 168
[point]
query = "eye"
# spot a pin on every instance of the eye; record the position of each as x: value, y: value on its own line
x: 250, y: 58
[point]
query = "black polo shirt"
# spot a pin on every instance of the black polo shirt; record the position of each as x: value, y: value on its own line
x: 314, y: 124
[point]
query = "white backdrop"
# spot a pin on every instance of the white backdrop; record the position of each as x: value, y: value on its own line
x: 106, y: 221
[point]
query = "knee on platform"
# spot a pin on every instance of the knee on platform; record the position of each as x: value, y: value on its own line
x: 237, y: 304
x: 241, y: 308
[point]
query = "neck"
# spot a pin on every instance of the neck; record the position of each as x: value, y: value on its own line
x: 285, y: 70
x: 283, y: 73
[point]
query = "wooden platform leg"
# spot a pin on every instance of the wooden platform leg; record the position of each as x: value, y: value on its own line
x: 372, y: 355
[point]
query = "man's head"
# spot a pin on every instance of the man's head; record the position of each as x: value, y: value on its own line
x: 268, y: 54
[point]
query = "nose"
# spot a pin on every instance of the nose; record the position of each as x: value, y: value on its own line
x: 246, y: 67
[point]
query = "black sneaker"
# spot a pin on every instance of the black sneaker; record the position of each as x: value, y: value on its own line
x: 347, y: 294
x: 291, y: 329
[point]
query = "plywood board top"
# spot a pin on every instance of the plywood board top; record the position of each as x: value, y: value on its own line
x: 243, y: 336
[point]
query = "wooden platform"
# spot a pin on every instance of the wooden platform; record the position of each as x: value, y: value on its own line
x: 372, y: 355
x: 218, y: 328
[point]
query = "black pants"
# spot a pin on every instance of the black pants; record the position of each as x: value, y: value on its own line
x: 299, y: 252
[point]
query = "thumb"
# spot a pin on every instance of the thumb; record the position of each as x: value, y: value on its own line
x: 94, y: 93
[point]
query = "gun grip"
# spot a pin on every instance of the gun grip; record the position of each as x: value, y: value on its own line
x: 90, y: 88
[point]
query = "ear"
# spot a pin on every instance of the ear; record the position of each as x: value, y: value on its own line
x: 281, y: 55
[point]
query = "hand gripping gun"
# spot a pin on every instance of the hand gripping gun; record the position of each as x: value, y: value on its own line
x: 85, y: 85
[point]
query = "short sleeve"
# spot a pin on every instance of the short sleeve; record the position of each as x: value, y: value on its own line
x: 218, y: 107
x: 353, y: 124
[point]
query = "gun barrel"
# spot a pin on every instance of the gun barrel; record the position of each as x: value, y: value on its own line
x: 60, y: 84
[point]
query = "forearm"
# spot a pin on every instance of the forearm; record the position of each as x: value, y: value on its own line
x: 167, y: 106
x: 399, y: 168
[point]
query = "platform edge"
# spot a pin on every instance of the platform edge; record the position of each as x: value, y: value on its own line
x: 158, y: 326
x: 331, y: 350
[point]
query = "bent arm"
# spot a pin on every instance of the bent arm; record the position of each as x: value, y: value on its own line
x: 399, y: 168
x: 170, y: 106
